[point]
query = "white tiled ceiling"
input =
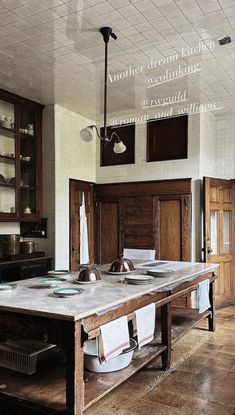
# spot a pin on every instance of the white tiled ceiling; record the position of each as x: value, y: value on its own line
x: 51, y: 51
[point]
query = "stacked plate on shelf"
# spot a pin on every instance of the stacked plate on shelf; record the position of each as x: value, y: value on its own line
x: 139, y: 279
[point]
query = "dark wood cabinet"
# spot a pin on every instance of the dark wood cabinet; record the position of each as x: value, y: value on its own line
x: 25, y: 268
x: 20, y: 158
x: 145, y: 215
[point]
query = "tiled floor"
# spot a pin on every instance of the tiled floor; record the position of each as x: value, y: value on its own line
x: 201, y: 381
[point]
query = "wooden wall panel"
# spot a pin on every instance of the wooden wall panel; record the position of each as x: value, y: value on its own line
x: 154, y: 188
x: 108, y: 233
x: 137, y: 222
x: 170, y: 230
x: 147, y: 215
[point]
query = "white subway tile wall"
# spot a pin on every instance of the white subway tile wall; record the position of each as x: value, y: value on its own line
x: 211, y: 152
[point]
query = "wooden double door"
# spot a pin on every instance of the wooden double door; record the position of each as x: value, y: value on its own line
x: 143, y: 216
x: 219, y: 234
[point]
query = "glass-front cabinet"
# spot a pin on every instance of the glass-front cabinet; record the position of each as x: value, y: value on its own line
x: 20, y: 158
x: 7, y: 159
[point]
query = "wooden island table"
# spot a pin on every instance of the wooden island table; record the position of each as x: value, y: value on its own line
x: 35, y: 313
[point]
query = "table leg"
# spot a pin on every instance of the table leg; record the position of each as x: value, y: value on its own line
x: 74, y: 375
x: 166, y: 322
x: 211, y: 317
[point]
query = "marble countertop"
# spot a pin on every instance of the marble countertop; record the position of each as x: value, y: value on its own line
x: 97, y: 297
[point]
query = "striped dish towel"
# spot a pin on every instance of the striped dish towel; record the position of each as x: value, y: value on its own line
x: 114, y: 338
x: 144, y: 324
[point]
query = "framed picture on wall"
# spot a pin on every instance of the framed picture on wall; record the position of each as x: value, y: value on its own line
x: 127, y: 136
x: 167, y: 139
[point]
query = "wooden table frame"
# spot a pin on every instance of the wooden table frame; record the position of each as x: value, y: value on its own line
x: 70, y: 335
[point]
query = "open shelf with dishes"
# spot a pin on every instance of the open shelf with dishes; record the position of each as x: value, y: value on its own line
x: 7, y: 185
x: 7, y: 158
x: 20, y: 158
x: 7, y: 131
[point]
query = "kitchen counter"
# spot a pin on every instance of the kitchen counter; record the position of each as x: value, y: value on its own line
x: 35, y: 313
x: 96, y: 298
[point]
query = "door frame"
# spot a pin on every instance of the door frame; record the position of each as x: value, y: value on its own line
x: 229, y: 183
x: 76, y: 187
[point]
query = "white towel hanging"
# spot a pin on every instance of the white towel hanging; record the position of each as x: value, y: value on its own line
x: 113, y: 339
x: 203, y: 302
x: 84, y: 247
x: 144, y: 324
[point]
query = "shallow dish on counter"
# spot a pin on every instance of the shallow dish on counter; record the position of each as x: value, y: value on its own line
x: 87, y: 282
x: 67, y: 292
x: 58, y: 272
x: 51, y: 280
x: 139, y: 279
x: 160, y: 273
x: 120, y: 273
x: 7, y: 287
x: 44, y: 282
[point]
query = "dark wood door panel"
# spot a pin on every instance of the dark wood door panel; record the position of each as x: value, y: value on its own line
x: 170, y: 230
x: 138, y: 222
x: 107, y: 219
x: 143, y: 216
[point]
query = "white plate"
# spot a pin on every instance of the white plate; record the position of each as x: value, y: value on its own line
x: 120, y: 273
x: 138, y: 282
x: 59, y: 272
x: 162, y: 273
x: 52, y: 280
x: 7, y: 287
x: 67, y: 292
x: 139, y: 278
x: 86, y: 282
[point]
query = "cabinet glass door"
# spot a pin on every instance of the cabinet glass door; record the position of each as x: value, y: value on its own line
x: 28, y: 162
x: 7, y: 159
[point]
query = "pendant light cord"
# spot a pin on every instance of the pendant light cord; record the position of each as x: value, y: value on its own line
x: 105, y: 89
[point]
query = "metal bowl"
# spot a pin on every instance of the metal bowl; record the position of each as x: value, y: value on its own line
x: 92, y: 363
x: 122, y: 265
x: 88, y: 273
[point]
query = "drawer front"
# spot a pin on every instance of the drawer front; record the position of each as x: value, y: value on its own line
x: 34, y: 270
x: 10, y: 274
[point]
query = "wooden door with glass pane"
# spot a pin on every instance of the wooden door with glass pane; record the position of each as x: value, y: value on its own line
x: 218, y: 235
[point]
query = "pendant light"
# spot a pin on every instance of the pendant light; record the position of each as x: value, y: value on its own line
x: 88, y: 133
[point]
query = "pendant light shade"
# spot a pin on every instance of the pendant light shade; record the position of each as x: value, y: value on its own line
x: 87, y: 133
x: 119, y: 147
